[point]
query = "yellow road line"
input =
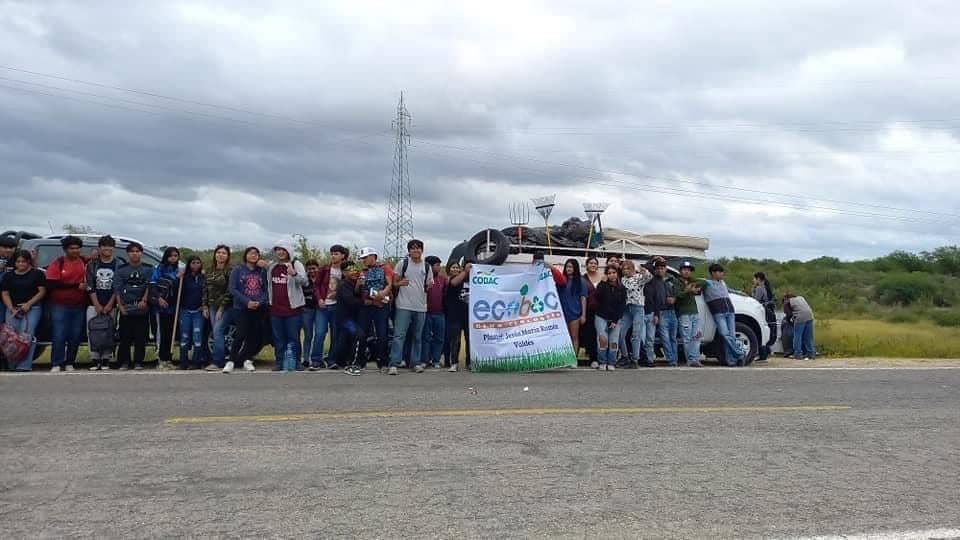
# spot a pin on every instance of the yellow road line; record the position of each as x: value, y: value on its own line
x: 574, y: 411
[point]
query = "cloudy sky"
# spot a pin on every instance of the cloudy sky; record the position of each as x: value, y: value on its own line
x: 776, y: 129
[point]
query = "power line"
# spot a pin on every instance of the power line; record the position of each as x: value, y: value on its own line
x: 192, y: 115
x: 680, y: 180
x: 647, y: 188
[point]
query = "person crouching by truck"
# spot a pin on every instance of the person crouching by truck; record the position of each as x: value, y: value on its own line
x: 797, y: 309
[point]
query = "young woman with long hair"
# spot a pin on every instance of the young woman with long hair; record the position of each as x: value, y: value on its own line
x: 588, y: 330
x: 191, y: 314
x: 218, y: 304
x: 611, y: 304
x: 573, y: 300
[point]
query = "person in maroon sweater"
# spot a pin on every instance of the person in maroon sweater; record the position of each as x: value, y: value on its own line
x: 67, y: 283
x: 325, y: 293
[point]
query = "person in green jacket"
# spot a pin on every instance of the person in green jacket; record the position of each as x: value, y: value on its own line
x: 686, y: 290
x: 218, y: 304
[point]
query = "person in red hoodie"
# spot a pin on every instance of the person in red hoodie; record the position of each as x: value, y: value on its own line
x: 67, y: 283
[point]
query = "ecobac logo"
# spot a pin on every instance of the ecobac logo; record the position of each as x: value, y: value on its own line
x: 520, y: 308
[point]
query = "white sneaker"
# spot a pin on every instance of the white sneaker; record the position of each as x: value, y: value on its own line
x: 611, y: 368
x: 248, y: 366
x: 392, y: 371
x: 594, y: 365
x: 68, y: 368
x: 105, y: 367
x: 55, y: 369
x: 94, y: 368
x: 453, y: 369
x: 806, y: 358
x: 228, y: 367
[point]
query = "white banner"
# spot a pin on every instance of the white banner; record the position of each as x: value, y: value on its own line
x: 516, y: 322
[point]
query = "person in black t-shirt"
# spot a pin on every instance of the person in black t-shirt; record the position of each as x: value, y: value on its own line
x: 100, y: 273
x: 7, y: 245
x: 455, y: 311
x: 22, y: 290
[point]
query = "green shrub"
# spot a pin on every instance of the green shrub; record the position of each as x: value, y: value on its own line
x: 946, y: 318
x: 904, y: 289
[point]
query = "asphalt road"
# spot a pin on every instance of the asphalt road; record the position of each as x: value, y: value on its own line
x: 713, y: 453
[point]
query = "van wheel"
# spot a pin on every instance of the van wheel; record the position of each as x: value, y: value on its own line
x: 748, y: 341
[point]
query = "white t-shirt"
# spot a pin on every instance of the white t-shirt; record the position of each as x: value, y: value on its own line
x: 413, y: 297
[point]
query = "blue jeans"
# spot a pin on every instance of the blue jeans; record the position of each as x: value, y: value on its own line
x: 668, y: 335
x: 67, y: 328
x: 434, y: 335
x: 27, y: 324
x: 407, y: 322
x: 191, y: 334
x: 650, y: 336
x: 727, y: 331
x: 607, y: 353
x: 689, y: 328
x: 220, y: 325
x: 633, y: 319
x: 286, y: 340
x: 803, y: 340
x: 322, y: 324
x: 309, y: 318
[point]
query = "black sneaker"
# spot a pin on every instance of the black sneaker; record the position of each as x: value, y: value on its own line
x: 630, y: 365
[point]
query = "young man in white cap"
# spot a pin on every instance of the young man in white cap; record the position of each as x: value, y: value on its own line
x: 414, y: 278
x: 375, y: 283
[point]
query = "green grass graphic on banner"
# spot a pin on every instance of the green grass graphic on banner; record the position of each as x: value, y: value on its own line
x: 548, y: 359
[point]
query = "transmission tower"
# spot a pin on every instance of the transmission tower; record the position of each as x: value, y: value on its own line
x: 400, y: 205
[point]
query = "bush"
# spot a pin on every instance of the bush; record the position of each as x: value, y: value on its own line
x: 946, y: 318
x: 904, y: 289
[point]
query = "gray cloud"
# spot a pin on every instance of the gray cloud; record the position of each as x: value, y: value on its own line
x: 817, y: 101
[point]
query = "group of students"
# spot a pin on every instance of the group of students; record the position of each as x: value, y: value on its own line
x: 618, y: 314
x: 282, y: 301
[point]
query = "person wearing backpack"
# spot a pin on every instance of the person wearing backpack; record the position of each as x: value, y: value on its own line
x: 67, y: 283
x: 23, y: 289
x: 131, y: 291
x: 191, y: 314
x: 285, y: 295
x: 100, y: 273
x: 414, y: 278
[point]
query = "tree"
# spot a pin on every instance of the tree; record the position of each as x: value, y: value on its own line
x: 305, y: 251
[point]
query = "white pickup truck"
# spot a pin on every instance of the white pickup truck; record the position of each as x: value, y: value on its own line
x: 493, y: 247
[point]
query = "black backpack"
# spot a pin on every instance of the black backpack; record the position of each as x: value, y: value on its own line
x: 100, y: 332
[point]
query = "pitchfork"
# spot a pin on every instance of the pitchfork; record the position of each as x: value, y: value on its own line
x: 520, y: 216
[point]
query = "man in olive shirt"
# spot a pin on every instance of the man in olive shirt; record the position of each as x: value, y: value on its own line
x: 686, y: 290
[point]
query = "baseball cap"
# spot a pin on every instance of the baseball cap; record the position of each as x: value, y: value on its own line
x: 8, y: 241
x: 687, y: 264
x: 368, y: 251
